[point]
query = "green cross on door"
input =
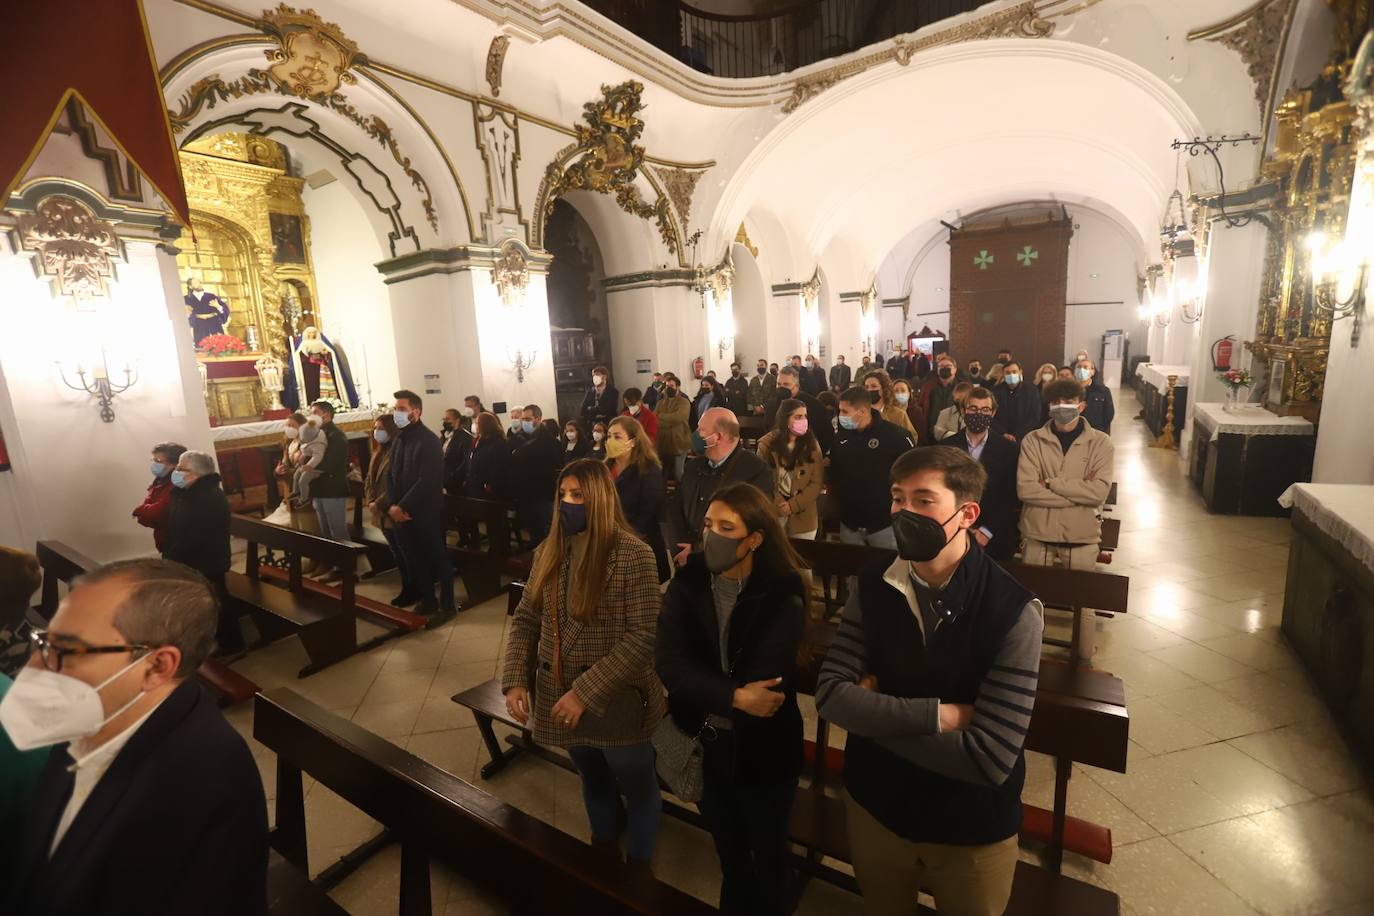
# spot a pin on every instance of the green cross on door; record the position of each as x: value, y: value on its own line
x: 983, y: 259
x: 1027, y: 255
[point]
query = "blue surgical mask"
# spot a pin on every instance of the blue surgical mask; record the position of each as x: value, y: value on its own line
x: 402, y: 418
x: 1012, y: 378
x: 179, y: 480
x: 573, y: 517
x: 381, y: 435
x: 527, y: 427
x: 159, y: 469
x: 1083, y: 373
x: 848, y: 422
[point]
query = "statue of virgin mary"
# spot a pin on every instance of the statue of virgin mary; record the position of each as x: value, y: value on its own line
x: 318, y: 369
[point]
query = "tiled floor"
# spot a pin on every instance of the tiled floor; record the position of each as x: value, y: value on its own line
x: 1240, y: 797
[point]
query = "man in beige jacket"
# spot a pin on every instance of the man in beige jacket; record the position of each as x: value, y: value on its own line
x: 1062, y: 478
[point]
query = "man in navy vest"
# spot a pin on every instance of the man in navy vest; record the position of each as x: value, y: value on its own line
x: 933, y: 674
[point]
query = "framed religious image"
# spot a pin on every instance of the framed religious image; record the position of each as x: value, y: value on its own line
x: 1278, y: 369
x: 288, y: 241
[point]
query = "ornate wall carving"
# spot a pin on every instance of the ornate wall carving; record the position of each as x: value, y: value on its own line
x: 679, y: 184
x: 1256, y: 35
x: 71, y: 245
x: 496, y: 60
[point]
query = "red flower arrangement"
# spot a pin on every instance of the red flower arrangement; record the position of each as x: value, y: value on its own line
x: 1235, y: 379
x: 221, y: 345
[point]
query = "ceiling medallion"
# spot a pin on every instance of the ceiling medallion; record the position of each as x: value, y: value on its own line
x: 1020, y: 21
x: 608, y: 159
x: 313, y: 57
x: 73, y: 246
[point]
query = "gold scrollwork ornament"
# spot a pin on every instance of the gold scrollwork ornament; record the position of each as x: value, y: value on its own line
x: 73, y: 246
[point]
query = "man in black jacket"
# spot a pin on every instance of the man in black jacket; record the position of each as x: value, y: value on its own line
x: 601, y: 403
x: 839, y: 374
x: 197, y: 535
x: 414, y: 500
x: 865, y: 448
x: 1020, y: 406
x: 898, y: 366
x: 456, y: 443
x: 812, y: 376
x: 149, y: 802
x: 722, y: 461
x: 737, y: 390
x: 998, y: 531
x: 789, y: 386
x: 537, y: 463
x: 329, y: 492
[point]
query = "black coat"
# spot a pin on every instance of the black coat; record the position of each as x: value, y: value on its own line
x: 603, y: 408
x: 197, y: 532
x: 1099, y: 410
x: 818, y: 416
x: 699, y: 483
x: 1019, y: 409
x: 333, y: 480
x: 537, y: 463
x: 840, y: 374
x: 765, y: 634
x: 459, y: 443
x: 582, y: 449
x: 641, y: 496
x: 176, y: 826
x: 812, y: 381
x: 1000, y: 506
x: 737, y: 395
x: 415, y: 477
x: 898, y: 367
x: 488, y: 473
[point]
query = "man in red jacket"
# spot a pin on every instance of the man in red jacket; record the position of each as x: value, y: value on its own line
x: 634, y: 407
x: 152, y: 512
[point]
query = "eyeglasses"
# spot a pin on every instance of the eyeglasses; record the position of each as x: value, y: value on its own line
x: 52, y: 655
x: 980, y: 411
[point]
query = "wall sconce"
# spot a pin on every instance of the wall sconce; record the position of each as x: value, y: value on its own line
x: 99, y: 385
x: 1331, y: 265
x: 511, y: 274
x: 1189, y: 294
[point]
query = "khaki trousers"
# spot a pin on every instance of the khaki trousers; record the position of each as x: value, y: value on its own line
x: 964, y: 880
x: 1082, y: 556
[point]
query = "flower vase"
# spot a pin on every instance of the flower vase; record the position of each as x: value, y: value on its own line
x: 1230, y: 404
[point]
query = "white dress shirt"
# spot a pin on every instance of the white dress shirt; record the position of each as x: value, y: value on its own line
x: 89, y: 767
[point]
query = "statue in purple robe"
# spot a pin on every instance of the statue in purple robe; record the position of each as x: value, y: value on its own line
x: 207, y: 312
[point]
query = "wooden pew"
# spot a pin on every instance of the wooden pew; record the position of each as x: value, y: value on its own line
x: 480, y: 522
x: 62, y: 564
x: 533, y: 866
x: 379, y: 556
x: 1077, y: 591
x: 323, y: 617
x: 832, y: 565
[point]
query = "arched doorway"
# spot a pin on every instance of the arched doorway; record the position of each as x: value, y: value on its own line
x: 579, y: 323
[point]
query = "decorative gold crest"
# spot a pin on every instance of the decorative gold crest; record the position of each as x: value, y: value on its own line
x: 314, y: 56
x: 73, y: 246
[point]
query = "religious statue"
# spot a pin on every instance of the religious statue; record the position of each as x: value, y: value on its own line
x: 318, y: 369
x: 206, y: 311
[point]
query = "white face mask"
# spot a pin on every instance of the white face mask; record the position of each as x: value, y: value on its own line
x: 292, y: 432
x: 598, y: 436
x: 43, y: 707
x: 402, y: 418
x: 598, y: 380
x: 634, y: 410
x: 466, y: 411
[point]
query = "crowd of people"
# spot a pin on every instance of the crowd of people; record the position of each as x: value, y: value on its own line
x: 653, y: 615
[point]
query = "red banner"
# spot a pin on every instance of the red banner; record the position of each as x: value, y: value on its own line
x: 100, y: 52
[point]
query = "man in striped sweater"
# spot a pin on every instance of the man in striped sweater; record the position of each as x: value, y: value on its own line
x: 933, y: 674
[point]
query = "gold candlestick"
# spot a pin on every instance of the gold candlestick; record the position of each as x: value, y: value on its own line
x: 1166, y: 438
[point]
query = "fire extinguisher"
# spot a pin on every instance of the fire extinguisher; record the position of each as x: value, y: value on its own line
x: 1221, y: 354
x: 699, y: 368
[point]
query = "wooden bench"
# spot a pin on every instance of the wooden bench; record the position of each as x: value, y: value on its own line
x: 1081, y: 592
x: 531, y: 865
x: 62, y: 564
x: 379, y: 556
x: 832, y: 565
x: 480, y: 522
x: 322, y: 617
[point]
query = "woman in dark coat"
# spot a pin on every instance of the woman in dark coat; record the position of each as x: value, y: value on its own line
x: 1099, y: 410
x: 577, y: 443
x: 744, y: 589
x: 197, y: 536
x: 488, y: 465
x: 638, y: 475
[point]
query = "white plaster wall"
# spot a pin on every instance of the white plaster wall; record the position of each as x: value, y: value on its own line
x: 1345, y: 448
x: 76, y: 478
x: 1103, y: 265
x: 751, y: 300
x: 435, y: 332
x: 633, y: 337
x: 842, y: 333
x: 354, y: 305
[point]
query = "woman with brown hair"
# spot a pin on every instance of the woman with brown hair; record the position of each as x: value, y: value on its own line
x: 729, y: 643
x: 638, y: 474
x: 293, y: 458
x: 489, y: 461
x: 576, y: 443
x: 791, y: 450
x: 904, y: 397
x: 583, y: 637
x: 384, y: 433
x: 879, y: 386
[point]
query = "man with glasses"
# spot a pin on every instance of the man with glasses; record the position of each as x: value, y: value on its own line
x: 148, y: 800
x: 999, y: 509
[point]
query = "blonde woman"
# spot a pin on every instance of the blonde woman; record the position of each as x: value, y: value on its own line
x: 638, y: 474
x: 583, y: 639
x: 793, y: 453
x: 1045, y: 376
x: 879, y: 386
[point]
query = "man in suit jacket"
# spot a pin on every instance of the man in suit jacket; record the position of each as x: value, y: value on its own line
x: 812, y: 376
x: 722, y: 461
x: 998, y: 530
x: 150, y: 801
x: 456, y: 443
x: 789, y: 386
x: 839, y: 374
x: 414, y: 500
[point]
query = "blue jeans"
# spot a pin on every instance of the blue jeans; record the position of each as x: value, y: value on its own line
x: 884, y: 538
x: 427, y: 561
x: 332, y: 511
x: 610, y: 772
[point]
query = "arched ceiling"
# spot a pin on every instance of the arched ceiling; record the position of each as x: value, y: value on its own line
x: 963, y: 129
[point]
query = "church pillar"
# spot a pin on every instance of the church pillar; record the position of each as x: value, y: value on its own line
x: 1235, y: 273
x: 473, y: 320
x: 853, y: 328
x: 656, y: 316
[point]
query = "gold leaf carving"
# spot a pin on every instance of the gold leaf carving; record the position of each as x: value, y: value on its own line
x: 72, y: 245
x: 313, y: 56
x: 1257, y: 42
x: 496, y: 59
x: 679, y: 185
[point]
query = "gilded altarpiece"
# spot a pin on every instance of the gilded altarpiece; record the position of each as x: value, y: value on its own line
x: 251, y: 250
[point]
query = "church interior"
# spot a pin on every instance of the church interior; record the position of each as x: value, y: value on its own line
x: 229, y: 213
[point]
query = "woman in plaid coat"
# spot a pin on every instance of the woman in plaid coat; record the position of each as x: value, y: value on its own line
x: 583, y: 641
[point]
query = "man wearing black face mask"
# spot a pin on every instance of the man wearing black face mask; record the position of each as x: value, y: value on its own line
x: 938, y: 391
x: 761, y: 388
x: 1000, y: 509
x: 933, y: 674
x: 737, y: 390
